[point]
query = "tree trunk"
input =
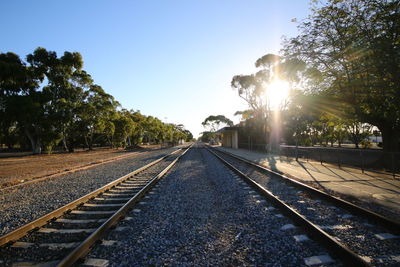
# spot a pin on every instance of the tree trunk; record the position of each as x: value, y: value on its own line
x: 71, y: 145
x: 86, y: 144
x: 390, y: 139
x: 64, y: 141
x: 90, y: 144
x: 35, y: 142
x: 355, y: 140
x: 71, y: 148
x: 90, y: 141
x: 391, y: 145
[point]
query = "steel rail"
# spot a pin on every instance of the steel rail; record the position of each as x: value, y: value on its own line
x: 65, y: 172
x: 25, y: 229
x: 388, y: 223
x: 86, y: 245
x: 340, y: 250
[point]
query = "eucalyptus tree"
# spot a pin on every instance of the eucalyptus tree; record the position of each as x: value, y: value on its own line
x: 340, y: 132
x: 52, y: 99
x: 97, y: 109
x: 109, y: 131
x: 261, y: 90
x: 138, y: 131
x: 124, y: 126
x: 152, y: 127
x: 65, y: 90
x: 213, y: 122
x: 207, y: 136
x: 179, y: 133
x: 297, y: 120
x: 22, y: 103
x: 357, y: 131
x: 354, y: 45
x: 188, y: 135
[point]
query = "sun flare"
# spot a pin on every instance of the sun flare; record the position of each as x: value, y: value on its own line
x: 276, y: 93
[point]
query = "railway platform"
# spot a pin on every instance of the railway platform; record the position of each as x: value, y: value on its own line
x: 374, y: 190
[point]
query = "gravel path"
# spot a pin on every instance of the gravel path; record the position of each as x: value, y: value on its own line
x: 29, y: 202
x: 200, y: 214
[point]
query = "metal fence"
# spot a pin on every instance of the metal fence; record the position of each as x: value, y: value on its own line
x: 364, y: 159
x: 254, y: 147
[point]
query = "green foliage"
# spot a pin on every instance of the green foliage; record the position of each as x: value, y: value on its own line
x: 207, y: 136
x: 213, y: 122
x: 353, y: 46
x: 357, y: 131
x: 346, y: 60
x: 51, y: 100
x: 124, y: 126
x: 365, y: 143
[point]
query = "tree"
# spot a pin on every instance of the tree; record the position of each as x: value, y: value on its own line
x: 22, y: 104
x: 354, y: 45
x: 52, y: 99
x: 65, y: 90
x: 357, y: 131
x: 97, y: 109
x: 188, y: 135
x: 250, y: 88
x: 213, y: 122
x: 109, y: 131
x: 124, y: 126
x: 138, y: 132
x: 207, y: 136
x: 298, y: 119
x: 340, y: 133
x: 259, y: 91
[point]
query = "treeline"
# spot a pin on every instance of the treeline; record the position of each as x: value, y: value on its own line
x: 343, y: 71
x: 48, y: 101
x: 308, y: 128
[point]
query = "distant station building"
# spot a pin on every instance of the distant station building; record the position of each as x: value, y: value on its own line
x: 229, y: 137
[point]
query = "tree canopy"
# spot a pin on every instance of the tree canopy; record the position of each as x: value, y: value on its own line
x: 214, y: 121
x: 344, y: 75
x: 354, y: 47
x: 49, y: 100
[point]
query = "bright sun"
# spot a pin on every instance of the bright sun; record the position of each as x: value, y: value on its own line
x: 276, y: 93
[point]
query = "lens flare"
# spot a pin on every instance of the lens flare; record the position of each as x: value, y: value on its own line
x: 277, y: 93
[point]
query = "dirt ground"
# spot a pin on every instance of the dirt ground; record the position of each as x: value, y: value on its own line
x: 16, y: 168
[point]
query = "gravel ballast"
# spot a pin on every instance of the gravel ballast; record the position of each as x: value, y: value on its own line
x: 29, y: 202
x: 202, y: 214
x: 357, y: 233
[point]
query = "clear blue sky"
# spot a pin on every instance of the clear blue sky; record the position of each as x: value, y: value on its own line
x: 170, y: 59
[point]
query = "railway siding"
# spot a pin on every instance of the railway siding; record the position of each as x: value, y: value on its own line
x: 80, y: 222
x: 26, y: 203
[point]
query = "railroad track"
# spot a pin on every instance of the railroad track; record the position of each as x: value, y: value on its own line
x: 64, y: 236
x: 355, y: 235
x: 64, y: 172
